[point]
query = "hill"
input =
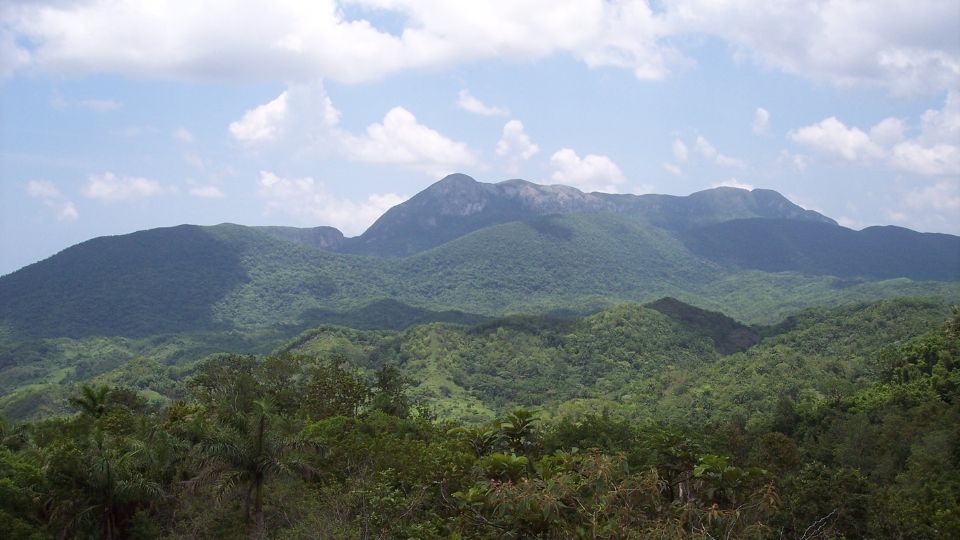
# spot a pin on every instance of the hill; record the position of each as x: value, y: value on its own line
x: 458, y: 205
x: 777, y: 245
x: 617, y: 249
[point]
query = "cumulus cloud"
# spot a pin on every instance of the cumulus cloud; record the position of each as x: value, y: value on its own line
x: 943, y: 195
x: 515, y: 145
x: 935, y: 151
x: 708, y: 151
x: 311, y: 203
x: 53, y: 198
x: 672, y: 169
x: 902, y: 45
x: 207, y: 191
x: 591, y: 173
x: 183, y: 134
x: 761, y: 121
x: 400, y: 139
x: 467, y: 102
x: 293, y: 40
x: 302, y: 111
x: 830, y: 136
x: 936, y: 160
x: 887, y: 132
x: 303, y: 116
x: 680, y: 150
x: 262, y: 123
x: 109, y: 187
x: 734, y: 183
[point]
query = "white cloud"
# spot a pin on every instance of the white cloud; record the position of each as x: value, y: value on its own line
x: 206, y: 191
x: 943, y: 195
x: 734, y: 183
x: 591, y: 173
x: 310, y: 203
x: 100, y: 105
x: 680, y: 150
x: 832, y: 137
x: 183, y: 134
x: 673, y: 169
x: 935, y: 151
x: 515, y: 145
x: 303, y: 117
x: 301, y: 114
x: 262, y: 123
x: 42, y: 189
x: 887, y: 132
x: 933, y: 207
x: 51, y: 196
x: 400, y: 139
x: 944, y: 125
x: 467, y: 102
x: 12, y: 55
x: 727, y: 161
x: 761, y: 121
x: 708, y: 151
x: 109, y: 187
x: 936, y: 160
x: 903, y: 46
x: 291, y: 40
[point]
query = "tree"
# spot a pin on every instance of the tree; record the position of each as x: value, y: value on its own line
x: 91, y: 401
x: 242, y: 453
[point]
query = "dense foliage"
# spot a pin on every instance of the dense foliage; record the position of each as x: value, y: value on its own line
x: 233, y: 278
x: 841, y: 423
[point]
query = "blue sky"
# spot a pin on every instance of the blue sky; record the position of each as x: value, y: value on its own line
x: 117, y: 116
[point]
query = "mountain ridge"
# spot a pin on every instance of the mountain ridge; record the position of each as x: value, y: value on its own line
x: 223, y: 277
x: 459, y: 204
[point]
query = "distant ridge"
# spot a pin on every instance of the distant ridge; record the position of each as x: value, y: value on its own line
x: 458, y: 204
x: 463, y: 249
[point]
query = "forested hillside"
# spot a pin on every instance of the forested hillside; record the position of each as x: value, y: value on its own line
x: 489, y: 361
x: 840, y: 423
x: 548, y: 257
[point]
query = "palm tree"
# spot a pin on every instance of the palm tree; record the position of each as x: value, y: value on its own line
x: 105, y: 484
x: 242, y: 454
x: 92, y: 401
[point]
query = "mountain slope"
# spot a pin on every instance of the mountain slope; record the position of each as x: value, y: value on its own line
x: 190, y: 279
x: 777, y: 245
x: 328, y: 238
x: 458, y: 205
x: 181, y: 279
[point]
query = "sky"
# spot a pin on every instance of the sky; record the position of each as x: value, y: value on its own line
x: 118, y: 116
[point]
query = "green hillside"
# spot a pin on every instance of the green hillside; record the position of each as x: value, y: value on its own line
x: 230, y: 277
x: 633, y: 359
x: 778, y: 245
x: 844, y: 418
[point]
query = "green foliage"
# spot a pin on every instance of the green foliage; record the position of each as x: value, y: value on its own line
x: 840, y: 423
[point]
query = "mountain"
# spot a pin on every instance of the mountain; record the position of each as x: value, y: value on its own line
x: 778, y: 245
x: 458, y: 204
x: 728, y: 335
x: 328, y: 238
x: 512, y: 247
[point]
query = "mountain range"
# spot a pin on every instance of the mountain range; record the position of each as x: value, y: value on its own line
x: 464, y: 250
